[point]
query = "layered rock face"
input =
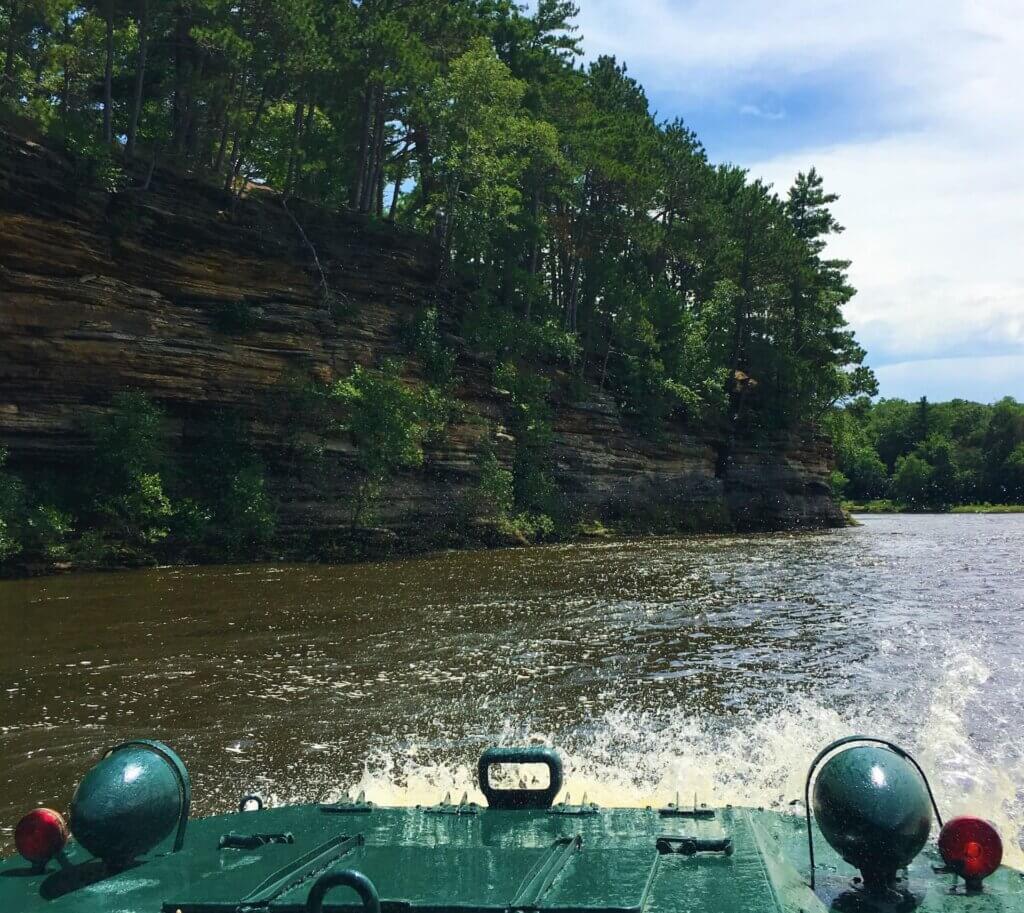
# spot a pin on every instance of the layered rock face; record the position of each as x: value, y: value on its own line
x: 104, y: 292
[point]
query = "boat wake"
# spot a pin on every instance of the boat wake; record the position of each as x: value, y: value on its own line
x: 629, y: 757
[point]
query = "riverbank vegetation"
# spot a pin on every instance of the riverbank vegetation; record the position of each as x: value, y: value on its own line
x: 896, y: 455
x: 578, y: 234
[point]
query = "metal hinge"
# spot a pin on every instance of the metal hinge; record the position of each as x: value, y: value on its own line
x: 446, y: 807
x: 347, y: 806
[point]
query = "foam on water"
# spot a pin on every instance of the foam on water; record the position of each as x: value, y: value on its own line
x: 629, y: 757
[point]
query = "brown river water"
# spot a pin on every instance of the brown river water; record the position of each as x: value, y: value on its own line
x: 715, y: 666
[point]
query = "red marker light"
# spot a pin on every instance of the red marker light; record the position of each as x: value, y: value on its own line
x: 971, y: 847
x: 41, y: 835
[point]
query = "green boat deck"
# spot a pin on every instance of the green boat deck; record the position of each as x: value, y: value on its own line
x: 569, y: 859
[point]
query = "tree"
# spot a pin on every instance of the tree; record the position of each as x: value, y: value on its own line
x: 912, y: 482
x: 485, y: 141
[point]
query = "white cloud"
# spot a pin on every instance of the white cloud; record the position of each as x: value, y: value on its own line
x: 933, y: 202
x: 761, y: 112
x: 935, y: 228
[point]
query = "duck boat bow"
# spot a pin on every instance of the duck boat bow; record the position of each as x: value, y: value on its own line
x: 866, y: 841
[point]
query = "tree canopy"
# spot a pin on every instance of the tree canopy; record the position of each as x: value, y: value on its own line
x: 931, y: 455
x: 558, y: 198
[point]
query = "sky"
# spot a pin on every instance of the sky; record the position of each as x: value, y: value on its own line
x: 913, y: 112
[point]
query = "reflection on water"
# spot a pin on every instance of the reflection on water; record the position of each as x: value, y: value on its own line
x: 715, y: 665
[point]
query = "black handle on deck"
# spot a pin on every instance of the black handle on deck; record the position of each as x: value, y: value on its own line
x: 348, y: 878
x: 520, y: 798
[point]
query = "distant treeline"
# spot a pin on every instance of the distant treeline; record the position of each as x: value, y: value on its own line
x: 930, y: 455
x: 585, y: 230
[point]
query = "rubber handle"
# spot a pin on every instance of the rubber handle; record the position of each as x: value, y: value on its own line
x: 347, y: 878
x: 520, y: 799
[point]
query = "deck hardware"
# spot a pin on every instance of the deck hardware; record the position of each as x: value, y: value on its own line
x: 347, y: 806
x: 832, y: 748
x: 235, y: 841
x: 349, y: 878
x: 676, y: 810
x: 447, y: 807
x: 313, y: 864
x: 520, y: 799
x: 565, y: 807
x: 544, y: 873
x: 250, y: 799
x: 690, y: 846
x: 141, y: 781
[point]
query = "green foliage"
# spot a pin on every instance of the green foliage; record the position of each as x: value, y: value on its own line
x: 877, y: 506
x: 12, y: 497
x: 535, y: 490
x: 931, y: 455
x: 503, y: 335
x: 389, y: 422
x: 839, y: 483
x: 124, y: 471
x: 912, y: 481
x: 987, y: 508
x: 486, y: 141
x: 587, y: 233
x: 234, y: 318
x: 1013, y: 470
x: 224, y: 506
x: 384, y: 418
x: 94, y: 166
x: 133, y: 498
x: 425, y: 342
x: 246, y: 512
x: 495, y: 490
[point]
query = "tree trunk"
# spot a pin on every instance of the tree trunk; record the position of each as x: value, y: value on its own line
x: 179, y: 80
x: 399, y: 177
x: 66, y: 73
x: 293, y: 152
x: 140, y: 75
x: 364, y: 150
x: 377, y: 190
x: 191, y: 126
x: 375, y: 154
x: 108, y: 75
x: 225, y: 130
x: 249, y: 136
x: 7, y: 84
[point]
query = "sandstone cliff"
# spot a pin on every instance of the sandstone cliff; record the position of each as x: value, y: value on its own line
x: 101, y: 292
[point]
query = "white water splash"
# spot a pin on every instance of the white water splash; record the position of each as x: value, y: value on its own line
x: 626, y: 757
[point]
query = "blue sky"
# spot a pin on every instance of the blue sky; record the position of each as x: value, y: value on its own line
x: 914, y: 113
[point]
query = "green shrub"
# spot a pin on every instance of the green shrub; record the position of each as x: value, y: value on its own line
x: 225, y: 504
x: 386, y: 421
x: 234, y: 318
x: 533, y: 465
x: 838, y: 483
x: 27, y: 526
x: 246, y: 512
x: 532, y: 527
x: 12, y: 507
x: 503, y: 334
x: 93, y: 167
x: 495, y: 489
x: 423, y: 338
x: 124, y: 471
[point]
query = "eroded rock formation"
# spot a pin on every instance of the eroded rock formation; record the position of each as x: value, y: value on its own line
x: 102, y: 292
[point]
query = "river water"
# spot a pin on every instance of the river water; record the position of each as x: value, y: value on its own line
x: 716, y: 666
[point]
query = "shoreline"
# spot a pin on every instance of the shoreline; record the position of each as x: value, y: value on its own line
x: 889, y: 507
x: 590, y: 534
